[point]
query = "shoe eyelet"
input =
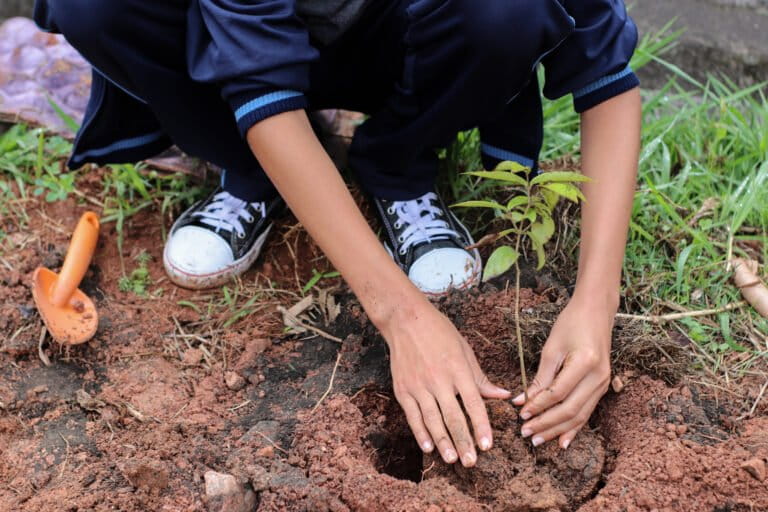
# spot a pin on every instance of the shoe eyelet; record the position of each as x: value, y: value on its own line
x: 398, y: 225
x: 241, y: 236
x: 250, y: 219
x: 400, y: 239
x: 402, y: 252
x: 391, y: 210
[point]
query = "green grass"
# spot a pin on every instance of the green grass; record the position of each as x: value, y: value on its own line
x: 704, y: 144
x: 32, y: 164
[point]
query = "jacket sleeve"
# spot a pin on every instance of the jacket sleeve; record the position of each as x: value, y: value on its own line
x: 593, y: 63
x: 257, y: 51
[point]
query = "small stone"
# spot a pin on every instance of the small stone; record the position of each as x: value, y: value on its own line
x: 261, y: 393
x: 40, y: 479
x: 674, y: 471
x: 225, y: 494
x: 192, y: 357
x: 682, y: 429
x: 644, y: 500
x: 249, y: 358
x: 149, y: 474
x: 266, y: 451
x: 671, y: 436
x: 617, y: 384
x: 39, y: 389
x: 234, y: 381
x: 756, y: 468
x: 671, y: 427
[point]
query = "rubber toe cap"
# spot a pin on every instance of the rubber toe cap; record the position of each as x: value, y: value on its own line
x: 198, y: 251
x: 443, y: 269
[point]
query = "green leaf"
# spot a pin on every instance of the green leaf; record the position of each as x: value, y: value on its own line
x: 559, y: 177
x: 517, y: 201
x: 504, y: 176
x: 500, y: 261
x: 479, y: 204
x: 66, y: 118
x: 542, y: 231
x: 566, y: 190
x: 550, y: 198
x: 510, y: 166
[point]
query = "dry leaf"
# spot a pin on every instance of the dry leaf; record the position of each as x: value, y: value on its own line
x: 291, y: 315
x: 707, y: 208
x: 752, y: 288
x: 87, y: 402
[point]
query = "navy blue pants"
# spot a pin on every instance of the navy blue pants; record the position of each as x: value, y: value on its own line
x: 420, y: 79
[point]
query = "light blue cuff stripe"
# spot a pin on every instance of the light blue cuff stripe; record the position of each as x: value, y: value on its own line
x: 263, y: 101
x: 120, y: 145
x: 503, y: 154
x: 599, y: 84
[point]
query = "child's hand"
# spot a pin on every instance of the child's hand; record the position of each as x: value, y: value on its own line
x: 574, y: 373
x: 432, y: 364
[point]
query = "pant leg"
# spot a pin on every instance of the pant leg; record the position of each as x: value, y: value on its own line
x: 140, y: 46
x: 461, y: 67
x: 517, y: 134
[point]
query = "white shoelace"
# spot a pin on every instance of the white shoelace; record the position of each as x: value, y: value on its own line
x: 226, y: 212
x: 420, y: 217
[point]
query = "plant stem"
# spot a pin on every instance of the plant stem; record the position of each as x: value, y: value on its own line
x: 520, y: 352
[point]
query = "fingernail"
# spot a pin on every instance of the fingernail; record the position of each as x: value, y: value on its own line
x: 537, y: 441
x: 526, y: 432
x: 469, y: 459
x: 525, y: 415
x: 508, y: 392
x: 566, y: 444
x: 519, y: 398
x: 426, y: 446
x: 485, y: 444
x: 450, y: 456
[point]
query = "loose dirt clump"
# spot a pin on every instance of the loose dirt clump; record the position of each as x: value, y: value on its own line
x: 516, y: 477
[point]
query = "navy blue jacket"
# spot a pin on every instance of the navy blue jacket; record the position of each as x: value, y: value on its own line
x: 258, y: 54
x: 591, y: 63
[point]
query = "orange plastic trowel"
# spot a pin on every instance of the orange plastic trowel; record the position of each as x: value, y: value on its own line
x: 68, y: 313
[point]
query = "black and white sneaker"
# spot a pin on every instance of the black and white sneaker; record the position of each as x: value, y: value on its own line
x: 217, y: 238
x: 428, y: 242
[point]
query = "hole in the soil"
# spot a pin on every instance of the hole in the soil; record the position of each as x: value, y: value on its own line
x: 397, y: 455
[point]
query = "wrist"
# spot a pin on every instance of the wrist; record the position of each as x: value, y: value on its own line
x: 392, y: 303
x: 597, y: 298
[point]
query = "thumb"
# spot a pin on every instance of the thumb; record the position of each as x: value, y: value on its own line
x: 548, y: 368
x: 489, y: 390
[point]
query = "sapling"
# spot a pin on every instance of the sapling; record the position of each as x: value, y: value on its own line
x: 529, y: 211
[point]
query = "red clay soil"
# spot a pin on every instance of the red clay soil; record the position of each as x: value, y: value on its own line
x: 132, y: 420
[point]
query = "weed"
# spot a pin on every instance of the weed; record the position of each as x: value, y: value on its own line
x: 139, y: 280
x: 316, y: 278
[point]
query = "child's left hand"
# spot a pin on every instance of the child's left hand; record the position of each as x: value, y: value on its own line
x: 574, y: 373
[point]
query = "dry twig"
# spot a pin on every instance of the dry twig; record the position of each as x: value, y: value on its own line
x: 330, y: 384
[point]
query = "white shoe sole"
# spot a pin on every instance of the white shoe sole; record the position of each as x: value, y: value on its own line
x: 212, y: 280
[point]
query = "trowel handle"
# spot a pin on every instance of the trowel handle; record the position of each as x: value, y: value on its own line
x: 79, y: 255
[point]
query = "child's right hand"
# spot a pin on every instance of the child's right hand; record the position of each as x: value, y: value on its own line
x: 432, y: 364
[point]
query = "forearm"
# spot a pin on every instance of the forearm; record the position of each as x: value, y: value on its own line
x: 610, y: 142
x: 309, y: 182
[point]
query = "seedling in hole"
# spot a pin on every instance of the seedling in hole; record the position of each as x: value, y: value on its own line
x: 529, y: 212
